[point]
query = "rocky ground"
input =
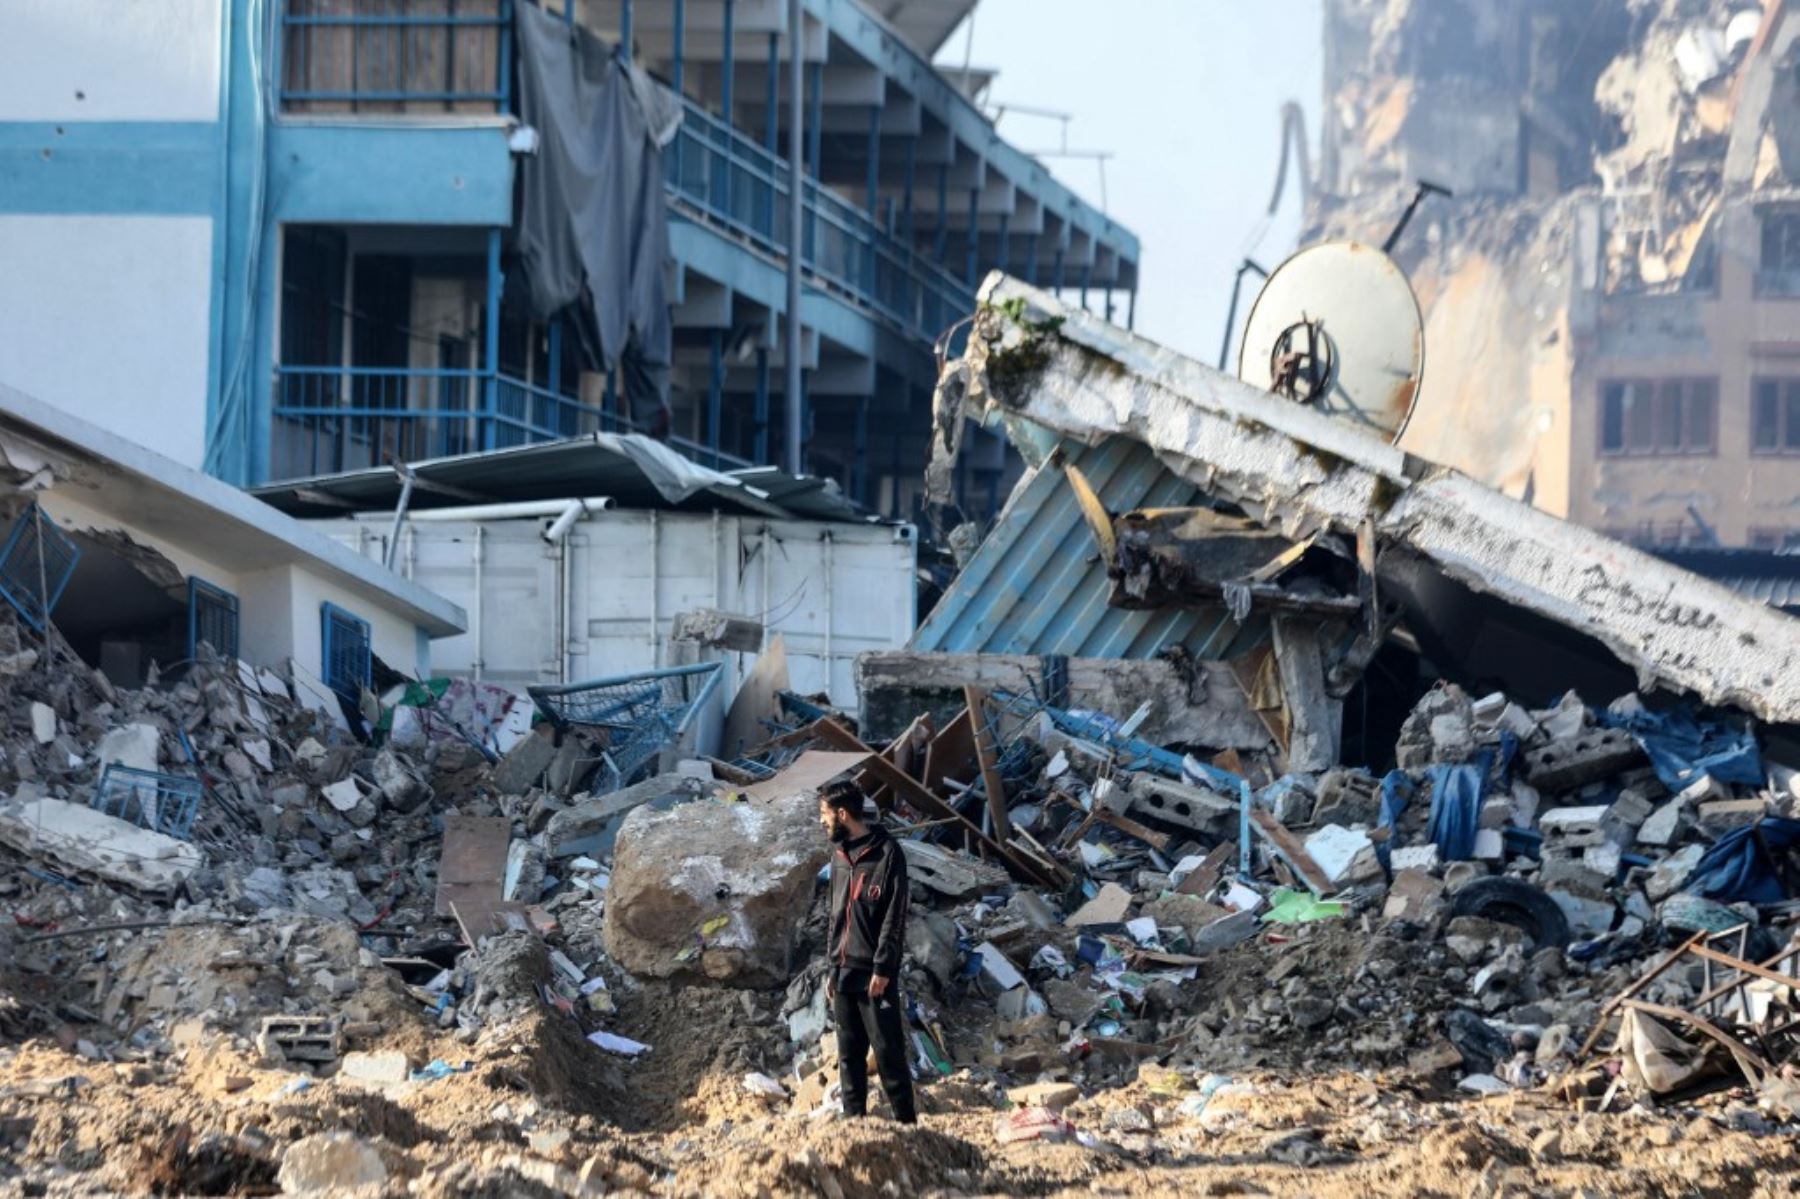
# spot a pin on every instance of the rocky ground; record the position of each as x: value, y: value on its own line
x: 1350, y: 1104
x: 529, y: 1113
x: 273, y: 1001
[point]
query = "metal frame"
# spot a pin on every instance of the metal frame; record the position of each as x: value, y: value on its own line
x: 720, y: 176
x: 641, y: 713
x: 212, y: 611
x: 34, y: 585
x: 163, y: 803
x: 337, y: 624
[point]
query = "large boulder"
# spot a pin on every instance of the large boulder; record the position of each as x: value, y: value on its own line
x: 714, y: 890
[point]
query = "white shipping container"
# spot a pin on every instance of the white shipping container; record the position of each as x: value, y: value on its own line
x: 832, y: 590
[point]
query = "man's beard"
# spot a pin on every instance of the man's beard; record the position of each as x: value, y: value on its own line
x: 838, y: 834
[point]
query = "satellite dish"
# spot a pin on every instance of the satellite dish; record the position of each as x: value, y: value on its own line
x: 1337, y: 327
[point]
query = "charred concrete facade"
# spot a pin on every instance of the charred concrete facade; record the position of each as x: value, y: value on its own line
x: 1612, y: 296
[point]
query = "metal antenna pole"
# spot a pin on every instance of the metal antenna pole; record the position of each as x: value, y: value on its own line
x: 796, y: 242
x: 1237, y: 287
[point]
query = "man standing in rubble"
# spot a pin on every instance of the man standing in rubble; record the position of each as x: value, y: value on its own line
x: 867, y: 935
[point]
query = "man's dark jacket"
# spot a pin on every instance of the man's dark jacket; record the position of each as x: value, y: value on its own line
x: 868, y: 904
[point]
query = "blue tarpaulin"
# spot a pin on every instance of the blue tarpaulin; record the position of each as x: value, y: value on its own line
x: 1740, y: 865
x: 1683, y: 749
x: 1455, y: 808
x: 1396, y: 789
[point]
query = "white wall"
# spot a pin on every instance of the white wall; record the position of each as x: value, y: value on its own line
x: 108, y: 317
x: 633, y: 571
x: 110, y: 60
x: 394, y: 639
x: 63, y: 507
x: 278, y: 606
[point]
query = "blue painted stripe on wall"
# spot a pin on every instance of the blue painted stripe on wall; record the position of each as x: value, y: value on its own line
x: 110, y: 168
x: 365, y: 173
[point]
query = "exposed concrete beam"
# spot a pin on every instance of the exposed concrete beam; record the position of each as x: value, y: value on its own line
x: 843, y: 377
x: 704, y: 304
x: 1300, y: 470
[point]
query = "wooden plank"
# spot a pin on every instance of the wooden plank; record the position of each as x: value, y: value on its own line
x: 949, y: 754
x: 914, y: 793
x: 1723, y: 989
x: 1643, y: 980
x: 1206, y: 877
x: 472, y: 865
x: 478, y: 918
x: 900, y: 751
x: 756, y: 701
x: 991, y: 781
x: 1725, y: 959
x: 809, y: 772
x: 1041, y: 857
x: 1287, y: 847
x: 1131, y: 828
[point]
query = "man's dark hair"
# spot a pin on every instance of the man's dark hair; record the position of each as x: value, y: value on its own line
x: 846, y: 797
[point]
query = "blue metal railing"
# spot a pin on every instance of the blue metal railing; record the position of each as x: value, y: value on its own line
x: 337, y: 418
x: 725, y: 178
x: 431, y: 55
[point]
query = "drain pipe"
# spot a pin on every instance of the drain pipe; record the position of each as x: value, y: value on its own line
x: 511, y: 511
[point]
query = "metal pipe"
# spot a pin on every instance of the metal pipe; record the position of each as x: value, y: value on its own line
x: 559, y: 646
x: 772, y: 105
x: 393, y: 541
x: 655, y: 582
x: 476, y: 663
x: 490, y: 349
x: 796, y: 168
x: 512, y: 511
x: 762, y: 404
x: 728, y: 68
x: 830, y: 544
x: 559, y: 528
x: 1237, y: 288
x: 679, y: 51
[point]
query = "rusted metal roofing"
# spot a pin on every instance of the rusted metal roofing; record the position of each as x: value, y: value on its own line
x: 1036, y: 585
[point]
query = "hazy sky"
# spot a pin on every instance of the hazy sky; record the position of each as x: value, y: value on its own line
x: 1187, y: 96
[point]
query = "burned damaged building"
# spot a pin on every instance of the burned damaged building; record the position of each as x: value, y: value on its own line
x: 1609, y: 289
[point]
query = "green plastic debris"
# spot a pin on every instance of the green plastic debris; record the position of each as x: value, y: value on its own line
x: 1287, y: 906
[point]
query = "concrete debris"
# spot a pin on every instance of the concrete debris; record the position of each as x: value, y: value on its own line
x: 714, y: 889
x: 330, y: 1163
x: 719, y: 630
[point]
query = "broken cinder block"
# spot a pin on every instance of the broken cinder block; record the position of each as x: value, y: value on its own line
x: 1573, y: 828
x: 1721, y: 816
x: 1588, y: 757
x: 301, y: 1038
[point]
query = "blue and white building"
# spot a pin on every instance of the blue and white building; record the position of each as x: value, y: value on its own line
x: 269, y: 238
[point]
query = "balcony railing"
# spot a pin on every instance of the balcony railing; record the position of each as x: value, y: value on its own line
x: 724, y: 178
x: 329, y: 419
x: 402, y: 56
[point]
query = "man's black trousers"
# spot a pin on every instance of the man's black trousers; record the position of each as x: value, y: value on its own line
x: 862, y: 1022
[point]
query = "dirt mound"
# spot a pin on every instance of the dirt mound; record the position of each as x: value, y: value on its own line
x: 703, y: 1040
x: 854, y: 1159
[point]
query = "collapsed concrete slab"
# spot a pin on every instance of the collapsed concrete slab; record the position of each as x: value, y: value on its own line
x: 714, y: 890
x: 1485, y: 580
x: 1201, y: 704
x: 85, y: 841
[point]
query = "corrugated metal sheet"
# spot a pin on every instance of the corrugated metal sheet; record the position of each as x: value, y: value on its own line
x: 1771, y: 576
x: 607, y: 464
x: 1036, y: 586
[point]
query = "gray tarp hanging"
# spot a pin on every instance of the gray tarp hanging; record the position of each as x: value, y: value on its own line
x: 593, y: 228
